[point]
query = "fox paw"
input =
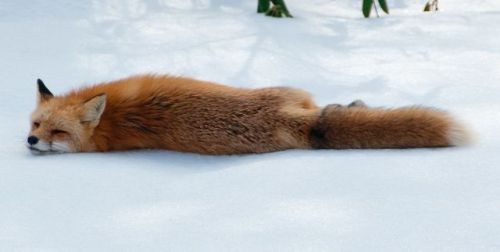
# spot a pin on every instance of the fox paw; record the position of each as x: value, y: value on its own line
x: 335, y: 105
x: 357, y: 103
x: 354, y: 104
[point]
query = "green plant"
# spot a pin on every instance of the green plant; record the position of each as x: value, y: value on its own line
x: 278, y: 8
x: 368, y: 5
x: 431, y: 5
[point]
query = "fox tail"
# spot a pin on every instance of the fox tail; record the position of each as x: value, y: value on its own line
x: 341, y: 127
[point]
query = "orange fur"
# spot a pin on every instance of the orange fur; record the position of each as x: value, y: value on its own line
x: 182, y: 114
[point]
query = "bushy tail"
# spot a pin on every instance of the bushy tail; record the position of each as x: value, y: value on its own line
x: 410, y: 127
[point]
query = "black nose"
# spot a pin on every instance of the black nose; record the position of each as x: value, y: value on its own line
x: 32, y: 140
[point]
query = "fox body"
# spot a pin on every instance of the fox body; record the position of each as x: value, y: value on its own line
x: 183, y: 114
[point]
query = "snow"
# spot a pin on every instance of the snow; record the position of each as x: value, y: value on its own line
x: 349, y: 200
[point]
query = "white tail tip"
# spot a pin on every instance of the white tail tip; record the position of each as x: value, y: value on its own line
x: 459, y: 135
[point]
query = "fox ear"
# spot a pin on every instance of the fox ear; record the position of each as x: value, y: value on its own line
x: 44, y: 93
x: 93, y: 109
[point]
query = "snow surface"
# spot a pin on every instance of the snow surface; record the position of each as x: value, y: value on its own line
x: 352, y: 200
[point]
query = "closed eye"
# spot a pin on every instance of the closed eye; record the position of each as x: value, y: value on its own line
x: 58, y: 131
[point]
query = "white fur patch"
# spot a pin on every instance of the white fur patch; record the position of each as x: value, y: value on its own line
x: 458, y: 135
x: 43, y: 147
x: 60, y: 147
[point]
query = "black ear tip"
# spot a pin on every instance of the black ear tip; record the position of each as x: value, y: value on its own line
x: 42, y: 88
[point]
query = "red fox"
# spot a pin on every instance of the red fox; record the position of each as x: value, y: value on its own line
x: 183, y: 114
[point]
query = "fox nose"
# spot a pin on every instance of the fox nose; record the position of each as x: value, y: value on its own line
x: 32, y: 140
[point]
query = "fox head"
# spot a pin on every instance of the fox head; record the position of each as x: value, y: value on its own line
x: 63, y: 124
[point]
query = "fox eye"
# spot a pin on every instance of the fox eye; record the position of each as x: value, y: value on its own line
x: 58, y: 131
x: 36, y: 124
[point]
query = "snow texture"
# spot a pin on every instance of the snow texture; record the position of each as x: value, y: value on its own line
x: 328, y: 200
